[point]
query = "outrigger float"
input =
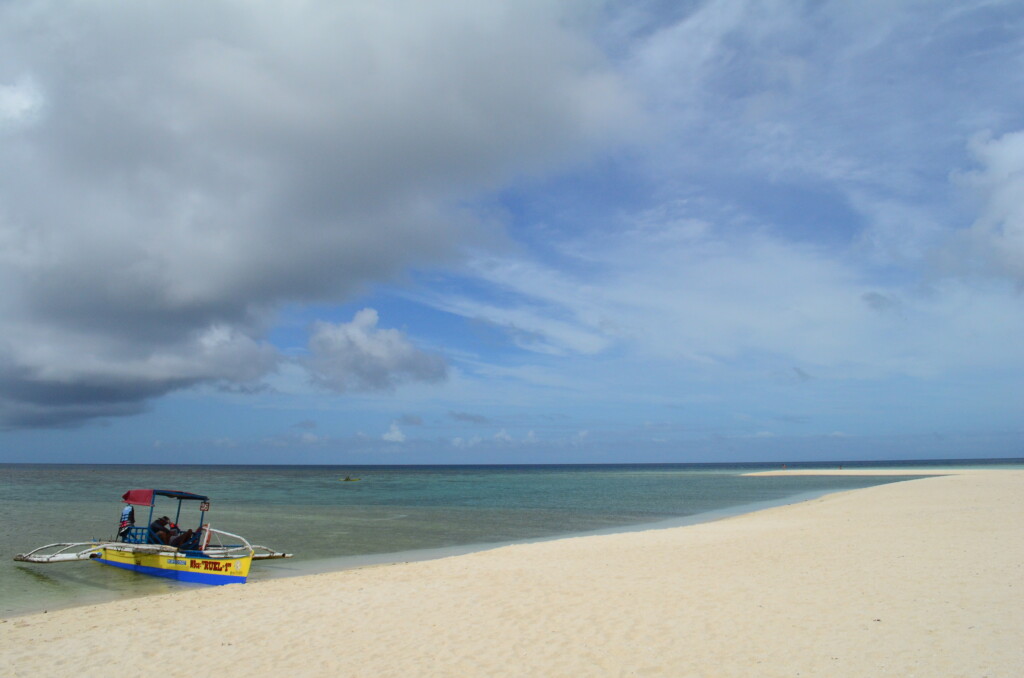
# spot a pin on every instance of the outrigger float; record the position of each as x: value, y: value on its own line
x: 202, y: 558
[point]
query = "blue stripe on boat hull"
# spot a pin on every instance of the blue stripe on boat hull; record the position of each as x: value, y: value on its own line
x: 180, y: 575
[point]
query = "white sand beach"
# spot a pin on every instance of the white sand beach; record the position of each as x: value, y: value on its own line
x: 917, y: 578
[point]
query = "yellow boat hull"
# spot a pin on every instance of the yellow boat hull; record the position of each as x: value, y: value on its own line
x: 189, y: 566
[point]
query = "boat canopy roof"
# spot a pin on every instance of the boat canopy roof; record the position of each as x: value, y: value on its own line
x: 145, y: 497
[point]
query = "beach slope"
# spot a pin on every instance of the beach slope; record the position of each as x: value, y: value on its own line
x: 916, y: 578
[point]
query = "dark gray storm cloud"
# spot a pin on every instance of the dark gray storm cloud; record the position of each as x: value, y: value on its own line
x: 172, y: 172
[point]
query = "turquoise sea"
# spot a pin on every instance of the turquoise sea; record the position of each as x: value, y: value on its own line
x: 393, y: 513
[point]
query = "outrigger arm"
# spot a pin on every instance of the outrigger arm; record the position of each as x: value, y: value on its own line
x: 65, y: 552
x: 62, y: 555
x: 267, y: 554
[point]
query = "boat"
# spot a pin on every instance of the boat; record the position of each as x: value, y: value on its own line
x: 202, y: 555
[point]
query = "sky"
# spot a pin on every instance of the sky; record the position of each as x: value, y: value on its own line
x: 470, y: 231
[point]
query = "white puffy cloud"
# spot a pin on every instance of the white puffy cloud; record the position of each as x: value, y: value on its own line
x: 19, y: 101
x: 357, y: 356
x: 995, y: 242
x: 393, y: 434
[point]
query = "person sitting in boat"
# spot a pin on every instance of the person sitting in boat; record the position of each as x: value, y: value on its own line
x: 163, y: 531
x: 159, y: 531
x: 190, y: 540
x: 179, y: 538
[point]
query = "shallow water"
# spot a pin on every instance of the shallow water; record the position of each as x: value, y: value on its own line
x: 392, y: 513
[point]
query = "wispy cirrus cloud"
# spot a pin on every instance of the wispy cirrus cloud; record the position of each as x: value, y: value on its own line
x: 798, y: 199
x: 684, y: 290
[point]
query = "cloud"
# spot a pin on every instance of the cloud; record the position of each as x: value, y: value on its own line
x: 774, y: 102
x: 995, y: 242
x: 46, y: 380
x: 410, y: 420
x: 720, y: 296
x: 468, y: 417
x: 792, y: 202
x: 162, y: 183
x: 880, y: 302
x: 19, y: 101
x: 394, y: 434
x: 531, y: 328
x: 357, y: 356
